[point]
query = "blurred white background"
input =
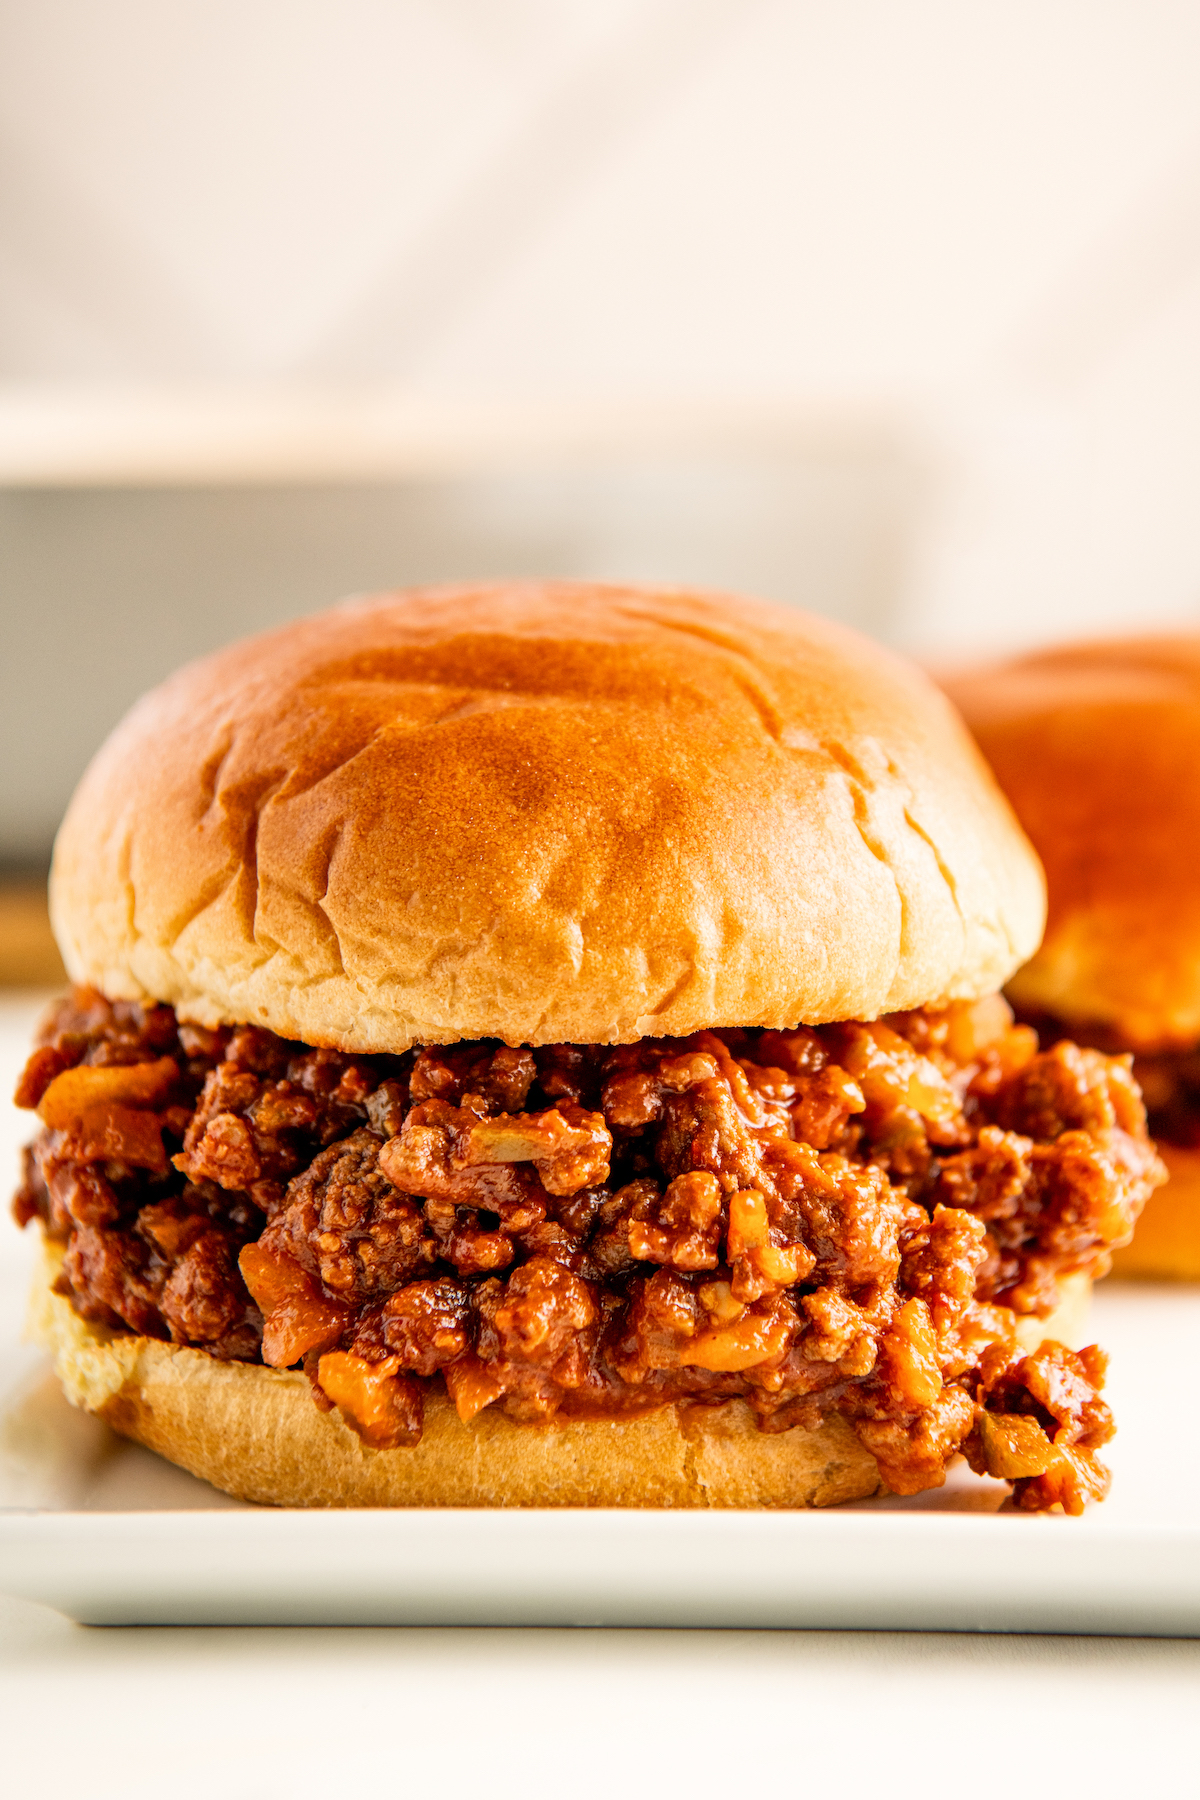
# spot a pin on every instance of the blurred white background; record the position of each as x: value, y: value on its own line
x: 890, y: 307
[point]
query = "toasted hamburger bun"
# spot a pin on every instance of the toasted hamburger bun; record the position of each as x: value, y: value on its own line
x: 543, y: 813
x: 255, y: 1433
x: 538, y: 813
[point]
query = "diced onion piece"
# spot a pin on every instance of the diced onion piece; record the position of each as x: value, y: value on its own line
x: 472, y: 1386
x: 372, y: 1397
x: 1014, y: 1446
x: 755, y: 1339
x: 911, y: 1351
x: 297, y: 1317
x: 748, y: 1222
x: 78, y: 1092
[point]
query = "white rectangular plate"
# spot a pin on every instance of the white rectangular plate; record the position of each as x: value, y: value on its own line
x: 926, y: 1571
x: 109, y: 1534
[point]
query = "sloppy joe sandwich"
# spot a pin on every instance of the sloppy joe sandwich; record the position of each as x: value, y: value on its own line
x: 1097, y: 746
x: 542, y: 1045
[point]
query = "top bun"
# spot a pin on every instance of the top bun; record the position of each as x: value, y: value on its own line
x: 542, y: 812
x: 1097, y: 745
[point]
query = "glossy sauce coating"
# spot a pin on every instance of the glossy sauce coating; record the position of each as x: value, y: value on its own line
x: 817, y: 1221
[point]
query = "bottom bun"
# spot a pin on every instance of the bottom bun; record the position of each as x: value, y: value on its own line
x: 256, y: 1433
x: 1166, y: 1243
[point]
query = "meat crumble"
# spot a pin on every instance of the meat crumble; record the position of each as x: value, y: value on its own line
x: 1169, y: 1079
x: 840, y: 1220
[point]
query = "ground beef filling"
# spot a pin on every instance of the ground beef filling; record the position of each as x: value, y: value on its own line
x: 1169, y: 1079
x: 814, y: 1221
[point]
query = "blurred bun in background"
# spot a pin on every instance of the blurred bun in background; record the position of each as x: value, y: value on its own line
x: 1097, y: 746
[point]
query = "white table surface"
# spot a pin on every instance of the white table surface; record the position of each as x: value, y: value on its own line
x: 272, y: 1712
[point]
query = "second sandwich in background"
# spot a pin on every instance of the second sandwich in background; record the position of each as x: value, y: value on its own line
x: 1097, y: 746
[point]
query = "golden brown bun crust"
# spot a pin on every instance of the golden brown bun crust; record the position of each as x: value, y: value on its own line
x: 1098, y: 747
x: 256, y: 1433
x: 1166, y: 1244
x: 543, y: 813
